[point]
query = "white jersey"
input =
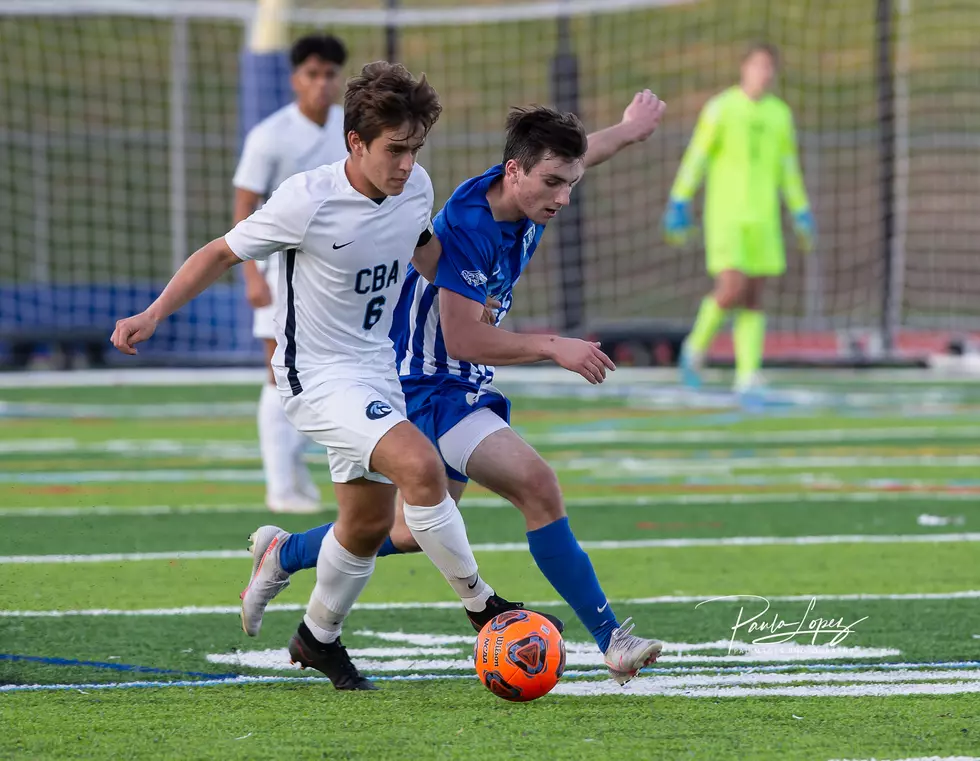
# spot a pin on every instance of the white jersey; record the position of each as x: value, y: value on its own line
x: 286, y: 143
x: 281, y: 145
x: 344, y: 262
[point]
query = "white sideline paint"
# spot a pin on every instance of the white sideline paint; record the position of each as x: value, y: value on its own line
x: 615, y: 466
x: 151, y: 376
x: 629, y: 544
x: 883, y: 690
x: 200, y: 610
x: 742, y: 438
x: 391, y: 659
x: 496, y: 502
x: 140, y: 511
x: 651, y: 687
x: 236, y: 449
x: 606, y: 467
x: 917, y: 758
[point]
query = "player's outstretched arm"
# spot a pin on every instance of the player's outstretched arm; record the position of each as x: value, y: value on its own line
x: 640, y: 119
x: 469, y: 339
x: 200, y: 270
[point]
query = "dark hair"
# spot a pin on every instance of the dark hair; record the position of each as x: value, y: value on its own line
x: 384, y: 96
x: 323, y: 46
x: 762, y: 47
x: 537, y: 133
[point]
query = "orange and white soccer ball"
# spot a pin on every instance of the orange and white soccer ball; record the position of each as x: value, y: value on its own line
x: 519, y: 655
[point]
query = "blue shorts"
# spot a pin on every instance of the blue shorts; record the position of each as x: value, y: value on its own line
x: 436, y: 403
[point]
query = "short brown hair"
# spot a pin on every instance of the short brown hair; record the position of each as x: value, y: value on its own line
x: 537, y: 133
x: 762, y: 47
x: 385, y: 96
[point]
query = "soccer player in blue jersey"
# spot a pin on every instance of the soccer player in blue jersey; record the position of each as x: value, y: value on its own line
x: 445, y: 352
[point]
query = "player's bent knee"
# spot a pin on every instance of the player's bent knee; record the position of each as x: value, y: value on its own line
x: 539, y: 494
x: 727, y: 299
x: 401, y: 537
x: 422, y: 477
x: 372, y: 530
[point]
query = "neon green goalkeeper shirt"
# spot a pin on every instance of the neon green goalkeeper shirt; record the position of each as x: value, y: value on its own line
x: 748, y: 149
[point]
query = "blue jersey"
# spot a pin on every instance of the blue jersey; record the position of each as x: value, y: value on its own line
x: 480, y: 257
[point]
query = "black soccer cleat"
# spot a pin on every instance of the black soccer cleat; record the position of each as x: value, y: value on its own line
x: 497, y: 605
x: 331, y: 660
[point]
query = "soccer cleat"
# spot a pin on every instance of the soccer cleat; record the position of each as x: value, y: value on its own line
x: 267, y: 580
x: 296, y: 504
x: 627, y: 653
x: 690, y: 363
x: 751, y: 393
x: 497, y: 605
x: 331, y: 660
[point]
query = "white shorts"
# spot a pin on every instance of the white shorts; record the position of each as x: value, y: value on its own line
x: 263, y: 318
x: 348, y: 417
x: 458, y: 443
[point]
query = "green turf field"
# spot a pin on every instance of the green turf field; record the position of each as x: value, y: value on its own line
x: 853, y: 498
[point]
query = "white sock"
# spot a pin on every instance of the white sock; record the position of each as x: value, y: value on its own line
x: 277, y: 443
x: 441, y: 534
x: 340, y: 578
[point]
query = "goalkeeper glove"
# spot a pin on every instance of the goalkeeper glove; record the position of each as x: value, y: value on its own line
x: 805, y: 229
x: 678, y: 228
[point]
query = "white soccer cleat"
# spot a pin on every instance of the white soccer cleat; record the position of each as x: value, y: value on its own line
x: 751, y: 392
x: 295, y: 504
x: 755, y: 382
x: 268, y: 579
x: 627, y: 653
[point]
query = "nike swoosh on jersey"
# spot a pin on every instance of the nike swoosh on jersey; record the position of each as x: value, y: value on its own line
x: 335, y: 246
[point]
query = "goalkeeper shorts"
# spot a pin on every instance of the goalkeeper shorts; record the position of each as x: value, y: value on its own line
x: 755, y: 250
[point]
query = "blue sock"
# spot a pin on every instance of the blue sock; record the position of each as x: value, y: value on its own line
x: 566, y: 565
x: 300, y: 551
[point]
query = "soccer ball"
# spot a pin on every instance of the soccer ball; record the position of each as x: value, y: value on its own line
x: 519, y: 656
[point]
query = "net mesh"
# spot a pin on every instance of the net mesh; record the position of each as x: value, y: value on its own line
x: 119, y: 135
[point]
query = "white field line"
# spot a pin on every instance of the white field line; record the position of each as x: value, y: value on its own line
x: 240, y: 448
x: 788, y: 498
x: 917, y: 758
x: 729, y: 541
x: 141, y: 510
x: 624, y: 466
x: 638, y: 687
x: 847, y: 379
x: 608, y: 466
x: 413, y: 656
x: 650, y: 687
x: 198, y: 610
x: 741, y: 438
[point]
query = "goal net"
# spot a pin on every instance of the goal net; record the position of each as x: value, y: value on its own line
x: 119, y: 134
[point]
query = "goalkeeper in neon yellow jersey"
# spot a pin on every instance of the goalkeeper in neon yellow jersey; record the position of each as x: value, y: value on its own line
x: 745, y: 143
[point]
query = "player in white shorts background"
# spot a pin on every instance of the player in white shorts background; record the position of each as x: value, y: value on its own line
x: 307, y: 133
x: 348, y: 232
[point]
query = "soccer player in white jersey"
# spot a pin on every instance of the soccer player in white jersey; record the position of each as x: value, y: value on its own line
x: 489, y: 230
x: 348, y: 232
x: 307, y: 133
